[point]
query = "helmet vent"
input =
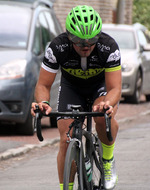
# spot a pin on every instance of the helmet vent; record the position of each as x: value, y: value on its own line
x: 82, y: 29
x: 90, y: 29
x: 86, y: 30
x: 72, y: 27
x: 96, y: 19
x: 91, y: 17
x: 73, y: 20
x: 79, y: 18
x: 85, y: 19
x: 98, y: 26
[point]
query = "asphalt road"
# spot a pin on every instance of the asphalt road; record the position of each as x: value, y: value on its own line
x: 37, y: 169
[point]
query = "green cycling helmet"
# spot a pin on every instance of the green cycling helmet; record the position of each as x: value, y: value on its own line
x: 83, y: 22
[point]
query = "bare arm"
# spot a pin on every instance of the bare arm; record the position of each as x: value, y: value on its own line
x: 43, y: 86
x: 42, y: 91
x: 113, y: 86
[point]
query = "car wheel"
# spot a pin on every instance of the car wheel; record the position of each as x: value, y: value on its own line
x: 135, y: 98
x: 147, y: 97
x: 53, y: 122
x: 26, y: 128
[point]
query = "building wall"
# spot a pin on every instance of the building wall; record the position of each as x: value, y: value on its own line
x: 128, y: 12
x: 106, y: 9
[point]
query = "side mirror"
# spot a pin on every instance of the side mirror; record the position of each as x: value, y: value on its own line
x: 146, y: 47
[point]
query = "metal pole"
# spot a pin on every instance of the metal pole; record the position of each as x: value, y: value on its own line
x: 120, y: 11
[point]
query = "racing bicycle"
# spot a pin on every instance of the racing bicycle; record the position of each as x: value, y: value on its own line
x: 84, y: 153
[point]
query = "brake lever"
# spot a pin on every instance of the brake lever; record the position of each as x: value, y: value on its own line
x: 108, y: 126
x: 37, y: 123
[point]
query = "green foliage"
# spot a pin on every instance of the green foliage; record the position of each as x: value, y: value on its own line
x: 141, y: 12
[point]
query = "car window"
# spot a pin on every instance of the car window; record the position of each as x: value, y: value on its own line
x: 142, y: 38
x: 14, y: 26
x: 122, y: 37
x: 51, y: 25
x: 37, y: 50
x: 147, y: 35
x: 44, y: 30
x: 57, y: 23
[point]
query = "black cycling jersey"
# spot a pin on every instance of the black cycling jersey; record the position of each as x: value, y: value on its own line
x: 105, y: 57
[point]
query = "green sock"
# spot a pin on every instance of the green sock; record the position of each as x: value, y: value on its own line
x: 70, y: 186
x: 61, y: 186
x: 108, y: 151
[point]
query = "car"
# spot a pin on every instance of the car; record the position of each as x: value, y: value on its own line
x: 26, y: 28
x: 134, y: 44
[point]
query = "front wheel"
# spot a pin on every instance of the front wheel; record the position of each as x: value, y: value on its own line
x: 96, y: 162
x: 73, y: 167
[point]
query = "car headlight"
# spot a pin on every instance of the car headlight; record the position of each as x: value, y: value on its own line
x: 13, y: 70
x: 126, y: 68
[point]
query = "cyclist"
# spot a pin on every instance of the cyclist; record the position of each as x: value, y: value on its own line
x: 90, y: 64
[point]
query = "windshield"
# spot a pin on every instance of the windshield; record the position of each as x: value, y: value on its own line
x: 124, y: 38
x: 14, y: 26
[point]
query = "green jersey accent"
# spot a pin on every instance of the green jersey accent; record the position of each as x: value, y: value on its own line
x: 84, y: 74
x: 113, y: 69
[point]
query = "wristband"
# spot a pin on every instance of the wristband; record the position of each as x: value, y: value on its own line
x: 46, y: 102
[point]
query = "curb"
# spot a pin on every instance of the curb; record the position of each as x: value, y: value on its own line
x: 14, y: 152
x: 26, y: 148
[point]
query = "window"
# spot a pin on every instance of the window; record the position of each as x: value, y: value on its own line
x: 123, y: 37
x: 142, y: 38
x: 51, y: 24
x: 37, y: 40
x: 44, y: 30
x: 147, y: 35
x: 14, y: 26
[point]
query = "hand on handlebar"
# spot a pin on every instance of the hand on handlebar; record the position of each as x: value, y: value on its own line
x: 45, y: 108
x: 104, y: 106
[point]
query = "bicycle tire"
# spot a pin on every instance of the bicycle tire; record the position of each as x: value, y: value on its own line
x: 94, y: 153
x: 96, y: 162
x: 73, y: 155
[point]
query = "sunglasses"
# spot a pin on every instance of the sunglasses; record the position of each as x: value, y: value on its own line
x: 82, y: 42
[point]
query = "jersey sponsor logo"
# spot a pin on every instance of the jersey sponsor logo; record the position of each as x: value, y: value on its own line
x: 50, y: 56
x: 84, y: 74
x: 103, y: 47
x: 94, y: 65
x: 114, y: 56
x: 94, y: 58
x: 71, y: 63
x: 61, y: 47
